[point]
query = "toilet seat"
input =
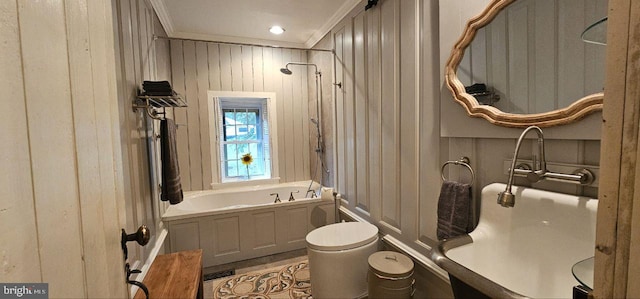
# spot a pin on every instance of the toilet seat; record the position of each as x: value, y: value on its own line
x: 342, y: 236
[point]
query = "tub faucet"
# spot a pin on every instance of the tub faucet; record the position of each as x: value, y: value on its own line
x: 291, y: 198
x: 313, y: 193
x: 508, y: 199
x: 277, y: 197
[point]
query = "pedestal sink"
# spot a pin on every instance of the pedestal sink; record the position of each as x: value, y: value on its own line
x: 526, y: 251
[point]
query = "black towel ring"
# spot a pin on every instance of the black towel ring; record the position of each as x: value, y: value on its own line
x: 464, y: 161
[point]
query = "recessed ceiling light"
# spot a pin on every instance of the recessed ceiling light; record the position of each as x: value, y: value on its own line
x: 276, y: 30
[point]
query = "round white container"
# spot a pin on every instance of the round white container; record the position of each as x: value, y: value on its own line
x: 390, y: 275
x: 338, y: 256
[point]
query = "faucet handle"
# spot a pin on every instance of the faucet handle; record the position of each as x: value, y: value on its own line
x: 277, y: 197
x: 291, y: 198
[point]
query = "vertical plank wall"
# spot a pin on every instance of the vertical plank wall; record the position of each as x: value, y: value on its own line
x: 59, y: 212
x: 198, y: 67
x: 139, y: 58
x: 381, y: 140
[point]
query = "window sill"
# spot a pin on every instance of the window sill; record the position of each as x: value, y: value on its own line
x: 244, y: 183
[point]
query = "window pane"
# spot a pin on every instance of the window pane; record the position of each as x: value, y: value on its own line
x: 230, y: 133
x: 242, y: 132
x: 242, y: 149
x: 232, y: 168
x: 231, y: 152
x: 229, y: 116
x: 252, y: 116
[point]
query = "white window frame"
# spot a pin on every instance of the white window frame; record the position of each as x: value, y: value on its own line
x: 215, y: 138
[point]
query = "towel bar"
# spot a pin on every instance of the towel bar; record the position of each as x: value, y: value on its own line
x: 464, y: 161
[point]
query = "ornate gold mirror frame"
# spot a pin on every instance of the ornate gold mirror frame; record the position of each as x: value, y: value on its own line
x: 573, y: 112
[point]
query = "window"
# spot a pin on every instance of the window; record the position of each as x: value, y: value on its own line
x: 242, y: 123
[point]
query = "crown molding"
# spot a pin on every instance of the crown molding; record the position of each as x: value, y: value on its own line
x: 342, y: 12
x: 237, y: 39
x: 161, y: 10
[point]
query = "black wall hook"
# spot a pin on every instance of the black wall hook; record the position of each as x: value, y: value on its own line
x: 370, y: 4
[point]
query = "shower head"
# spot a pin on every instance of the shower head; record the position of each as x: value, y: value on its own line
x: 286, y: 71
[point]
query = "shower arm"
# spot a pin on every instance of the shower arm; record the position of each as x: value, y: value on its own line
x: 305, y: 64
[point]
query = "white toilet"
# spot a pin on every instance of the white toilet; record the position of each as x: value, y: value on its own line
x: 338, y: 255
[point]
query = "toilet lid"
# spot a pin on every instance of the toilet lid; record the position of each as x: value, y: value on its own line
x: 342, y: 236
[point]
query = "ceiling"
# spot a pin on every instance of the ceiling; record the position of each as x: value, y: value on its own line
x: 248, y: 21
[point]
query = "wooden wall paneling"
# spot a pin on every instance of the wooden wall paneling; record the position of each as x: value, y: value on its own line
x: 409, y: 104
x: 519, y: 68
x: 297, y: 119
x: 225, y: 67
x: 147, y: 154
x: 180, y: 114
x: 215, y: 83
x: 571, y: 16
x: 55, y: 181
x: 14, y: 153
x: 104, y: 71
x: 110, y: 162
x: 138, y: 147
x: 258, y: 69
x: 202, y: 71
x: 615, y: 253
x: 144, y: 37
x: 127, y: 118
x: 215, y: 72
x: 287, y: 109
x: 339, y: 36
x: 304, y: 137
x: 90, y: 186
x: 247, y: 68
x: 545, y: 79
x: 499, y: 60
x: 595, y: 55
x: 135, y: 36
x: 431, y: 146
x: 360, y: 102
x: 236, y: 68
x: 193, y: 115
x: 349, y: 117
x: 374, y: 112
x: 276, y: 80
x: 389, y: 130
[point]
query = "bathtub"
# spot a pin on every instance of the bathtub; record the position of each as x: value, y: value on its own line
x: 235, y: 224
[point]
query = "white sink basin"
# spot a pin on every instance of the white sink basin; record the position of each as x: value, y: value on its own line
x: 529, y: 249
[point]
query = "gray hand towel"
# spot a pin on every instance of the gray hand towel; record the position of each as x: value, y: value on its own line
x: 454, y: 209
x: 171, y: 186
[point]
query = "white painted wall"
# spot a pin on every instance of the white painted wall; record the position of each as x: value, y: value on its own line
x: 201, y: 66
x: 59, y: 212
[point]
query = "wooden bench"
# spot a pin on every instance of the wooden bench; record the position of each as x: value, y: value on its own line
x: 175, y: 275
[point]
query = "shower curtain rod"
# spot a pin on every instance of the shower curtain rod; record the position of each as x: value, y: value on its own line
x: 238, y: 44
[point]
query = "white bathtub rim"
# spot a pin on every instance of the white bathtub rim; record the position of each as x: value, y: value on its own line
x: 172, y: 215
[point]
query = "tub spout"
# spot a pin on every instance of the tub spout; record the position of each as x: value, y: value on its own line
x: 313, y: 193
x: 277, y: 197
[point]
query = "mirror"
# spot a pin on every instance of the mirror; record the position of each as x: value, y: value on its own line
x: 523, y: 62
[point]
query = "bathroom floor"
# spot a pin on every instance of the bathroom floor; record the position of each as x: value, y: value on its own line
x: 278, y: 276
